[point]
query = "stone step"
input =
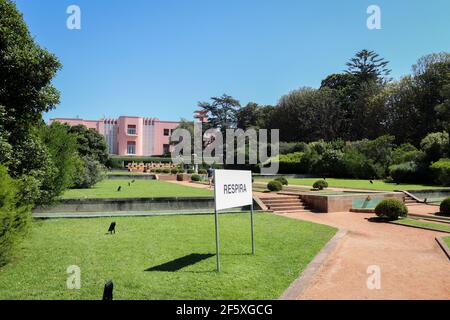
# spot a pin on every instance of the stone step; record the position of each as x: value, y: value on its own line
x: 281, y: 208
x: 281, y: 201
x: 293, y: 211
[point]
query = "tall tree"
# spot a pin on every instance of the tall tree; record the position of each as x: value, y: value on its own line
x: 367, y: 65
x: 221, y: 112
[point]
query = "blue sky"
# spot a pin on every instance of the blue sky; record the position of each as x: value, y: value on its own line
x: 158, y: 58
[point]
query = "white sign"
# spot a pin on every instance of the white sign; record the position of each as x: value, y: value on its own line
x: 232, y: 188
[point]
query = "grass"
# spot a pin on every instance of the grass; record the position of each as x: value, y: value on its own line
x: 361, y: 184
x: 138, y: 189
x: 284, y: 247
x: 126, y: 173
x: 424, y: 224
x: 447, y: 241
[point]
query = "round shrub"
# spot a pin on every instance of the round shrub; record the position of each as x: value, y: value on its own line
x: 391, y: 209
x: 174, y: 171
x: 158, y: 170
x: 445, y: 207
x: 275, y: 186
x: 320, y: 184
x: 190, y: 171
x: 202, y: 171
x: 282, y: 180
x: 195, y: 177
x: 166, y: 171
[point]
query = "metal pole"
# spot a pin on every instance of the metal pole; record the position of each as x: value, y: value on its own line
x: 253, y: 234
x: 216, y: 214
x: 217, y: 240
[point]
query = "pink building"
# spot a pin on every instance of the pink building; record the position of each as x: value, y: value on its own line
x: 131, y: 136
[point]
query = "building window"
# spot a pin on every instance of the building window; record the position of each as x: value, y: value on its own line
x: 166, y: 149
x: 166, y: 132
x: 131, y: 129
x: 131, y: 147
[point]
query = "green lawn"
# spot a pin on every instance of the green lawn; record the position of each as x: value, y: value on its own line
x: 425, y: 224
x: 125, y: 173
x: 284, y: 247
x: 447, y: 241
x: 138, y: 189
x: 360, y: 184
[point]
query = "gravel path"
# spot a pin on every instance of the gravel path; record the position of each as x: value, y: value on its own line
x: 412, y: 265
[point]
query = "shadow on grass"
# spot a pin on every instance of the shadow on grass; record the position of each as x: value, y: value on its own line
x: 181, y: 263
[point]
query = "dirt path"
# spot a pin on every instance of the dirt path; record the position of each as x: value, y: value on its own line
x: 411, y: 263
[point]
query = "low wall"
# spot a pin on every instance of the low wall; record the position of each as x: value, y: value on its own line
x: 132, y: 204
x: 341, y: 203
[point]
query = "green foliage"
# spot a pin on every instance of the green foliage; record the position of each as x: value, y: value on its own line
x: 26, y: 71
x: 282, y: 180
x: 91, y: 144
x: 274, y: 186
x: 391, y: 209
x: 320, y: 184
x: 190, y: 171
x: 62, y: 148
x: 290, y: 163
x: 195, y: 177
x: 407, y: 172
x: 445, y: 207
x: 406, y: 153
x: 202, y: 171
x: 221, y: 112
x: 166, y: 171
x: 174, y: 171
x: 88, y: 172
x: 435, y: 145
x: 14, y: 217
x: 440, y: 171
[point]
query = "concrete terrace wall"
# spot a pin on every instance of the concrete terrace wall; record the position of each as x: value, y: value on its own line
x: 132, y: 205
x: 342, y: 203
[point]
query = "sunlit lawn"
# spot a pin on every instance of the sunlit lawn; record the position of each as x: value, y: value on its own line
x: 425, y: 224
x: 284, y: 247
x: 360, y: 184
x: 138, y: 189
x: 447, y: 241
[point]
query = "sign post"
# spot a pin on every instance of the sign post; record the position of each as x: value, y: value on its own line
x: 232, y: 188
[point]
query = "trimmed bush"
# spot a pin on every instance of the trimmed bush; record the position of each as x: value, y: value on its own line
x: 174, y: 171
x: 320, y: 184
x: 190, y: 171
x: 166, y: 171
x: 441, y: 171
x: 202, y: 171
x: 274, y: 186
x: 195, y: 177
x: 282, y: 180
x: 445, y: 207
x: 391, y: 209
x: 158, y: 170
